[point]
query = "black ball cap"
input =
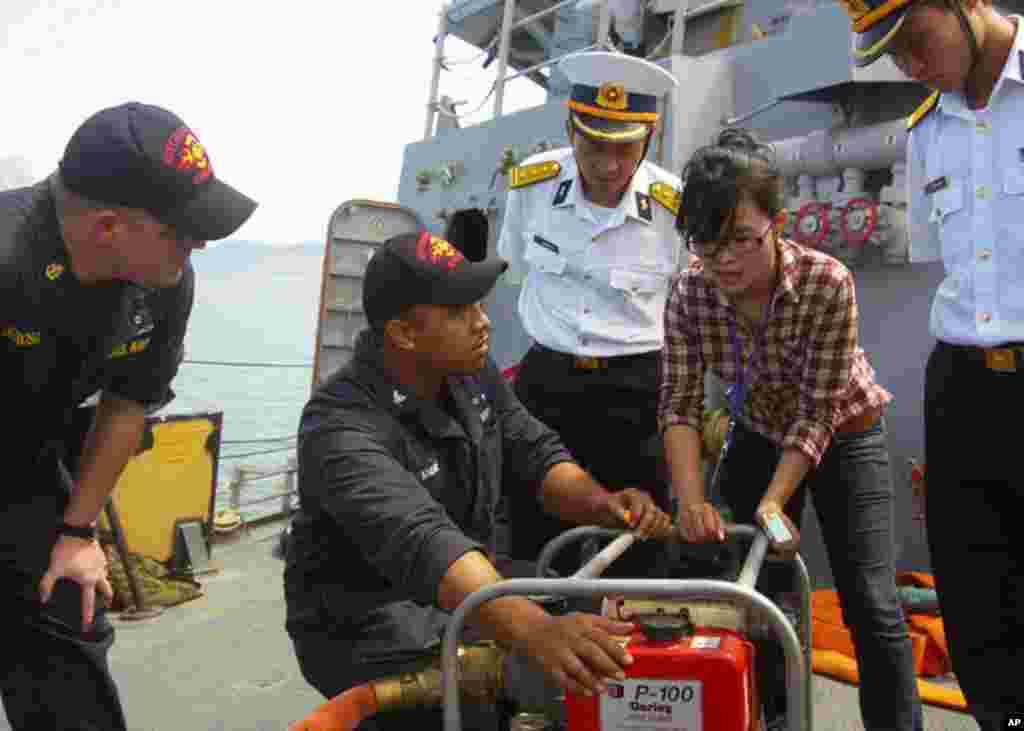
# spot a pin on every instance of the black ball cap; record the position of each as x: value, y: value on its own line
x: 423, y: 269
x: 142, y: 156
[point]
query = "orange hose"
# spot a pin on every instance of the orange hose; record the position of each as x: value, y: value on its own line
x: 344, y: 712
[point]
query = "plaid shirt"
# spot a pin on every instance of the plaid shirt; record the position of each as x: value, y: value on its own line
x: 808, y: 375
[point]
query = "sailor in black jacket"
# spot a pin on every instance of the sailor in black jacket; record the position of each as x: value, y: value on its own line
x: 402, y: 458
x: 95, y: 295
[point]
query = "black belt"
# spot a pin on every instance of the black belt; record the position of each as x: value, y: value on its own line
x: 1003, y: 358
x: 593, y: 363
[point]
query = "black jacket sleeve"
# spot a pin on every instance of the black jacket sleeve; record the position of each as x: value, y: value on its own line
x: 400, y: 529
x: 531, y: 448
x: 146, y: 377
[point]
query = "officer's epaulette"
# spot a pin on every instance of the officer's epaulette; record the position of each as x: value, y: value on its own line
x: 922, y: 111
x: 666, y: 195
x: 523, y: 175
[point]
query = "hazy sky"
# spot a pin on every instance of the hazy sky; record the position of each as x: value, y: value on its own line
x: 301, y: 104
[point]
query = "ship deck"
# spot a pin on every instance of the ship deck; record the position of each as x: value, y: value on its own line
x: 224, y: 661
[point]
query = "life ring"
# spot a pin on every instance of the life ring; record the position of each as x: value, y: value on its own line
x: 812, y: 223
x: 865, y: 218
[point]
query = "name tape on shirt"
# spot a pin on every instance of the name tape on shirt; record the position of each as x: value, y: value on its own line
x: 129, y: 348
x: 21, y: 338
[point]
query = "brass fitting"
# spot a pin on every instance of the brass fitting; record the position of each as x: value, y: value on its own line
x: 481, y: 678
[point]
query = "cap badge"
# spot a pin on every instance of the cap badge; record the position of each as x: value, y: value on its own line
x: 856, y: 8
x: 184, y: 151
x: 612, y: 96
x: 398, y: 397
x: 437, y: 251
x: 53, y: 271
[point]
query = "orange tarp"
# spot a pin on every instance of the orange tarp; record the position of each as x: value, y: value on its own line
x: 833, y: 652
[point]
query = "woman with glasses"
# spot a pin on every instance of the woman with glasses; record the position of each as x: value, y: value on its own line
x: 777, y: 323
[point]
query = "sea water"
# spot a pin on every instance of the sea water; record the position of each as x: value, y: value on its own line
x: 254, y: 304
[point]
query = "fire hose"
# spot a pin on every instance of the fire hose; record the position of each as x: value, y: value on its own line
x: 481, y: 678
x: 344, y: 712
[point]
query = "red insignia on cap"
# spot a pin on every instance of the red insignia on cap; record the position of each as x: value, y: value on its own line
x: 437, y: 251
x: 184, y: 151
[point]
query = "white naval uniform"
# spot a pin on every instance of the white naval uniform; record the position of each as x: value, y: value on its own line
x: 596, y: 280
x: 965, y: 178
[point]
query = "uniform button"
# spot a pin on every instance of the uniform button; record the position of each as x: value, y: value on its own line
x: 985, y: 316
x: 985, y: 254
x: 984, y: 192
x: 587, y: 277
x: 983, y: 126
x: 586, y: 310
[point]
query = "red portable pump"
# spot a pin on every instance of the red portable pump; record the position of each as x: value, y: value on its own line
x: 683, y: 678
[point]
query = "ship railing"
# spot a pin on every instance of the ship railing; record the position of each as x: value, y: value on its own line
x: 247, y: 476
x: 508, y: 24
x: 682, y: 13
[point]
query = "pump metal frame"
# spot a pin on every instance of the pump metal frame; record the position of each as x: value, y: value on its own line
x: 742, y: 593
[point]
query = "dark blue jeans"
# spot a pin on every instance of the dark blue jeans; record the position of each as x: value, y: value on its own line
x: 852, y: 492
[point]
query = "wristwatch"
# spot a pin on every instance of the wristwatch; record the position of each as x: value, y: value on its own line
x: 85, y: 532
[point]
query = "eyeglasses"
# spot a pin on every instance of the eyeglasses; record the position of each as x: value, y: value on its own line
x: 738, y: 246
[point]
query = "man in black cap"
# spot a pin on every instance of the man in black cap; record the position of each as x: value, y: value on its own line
x: 402, y: 457
x: 965, y: 176
x: 95, y: 296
